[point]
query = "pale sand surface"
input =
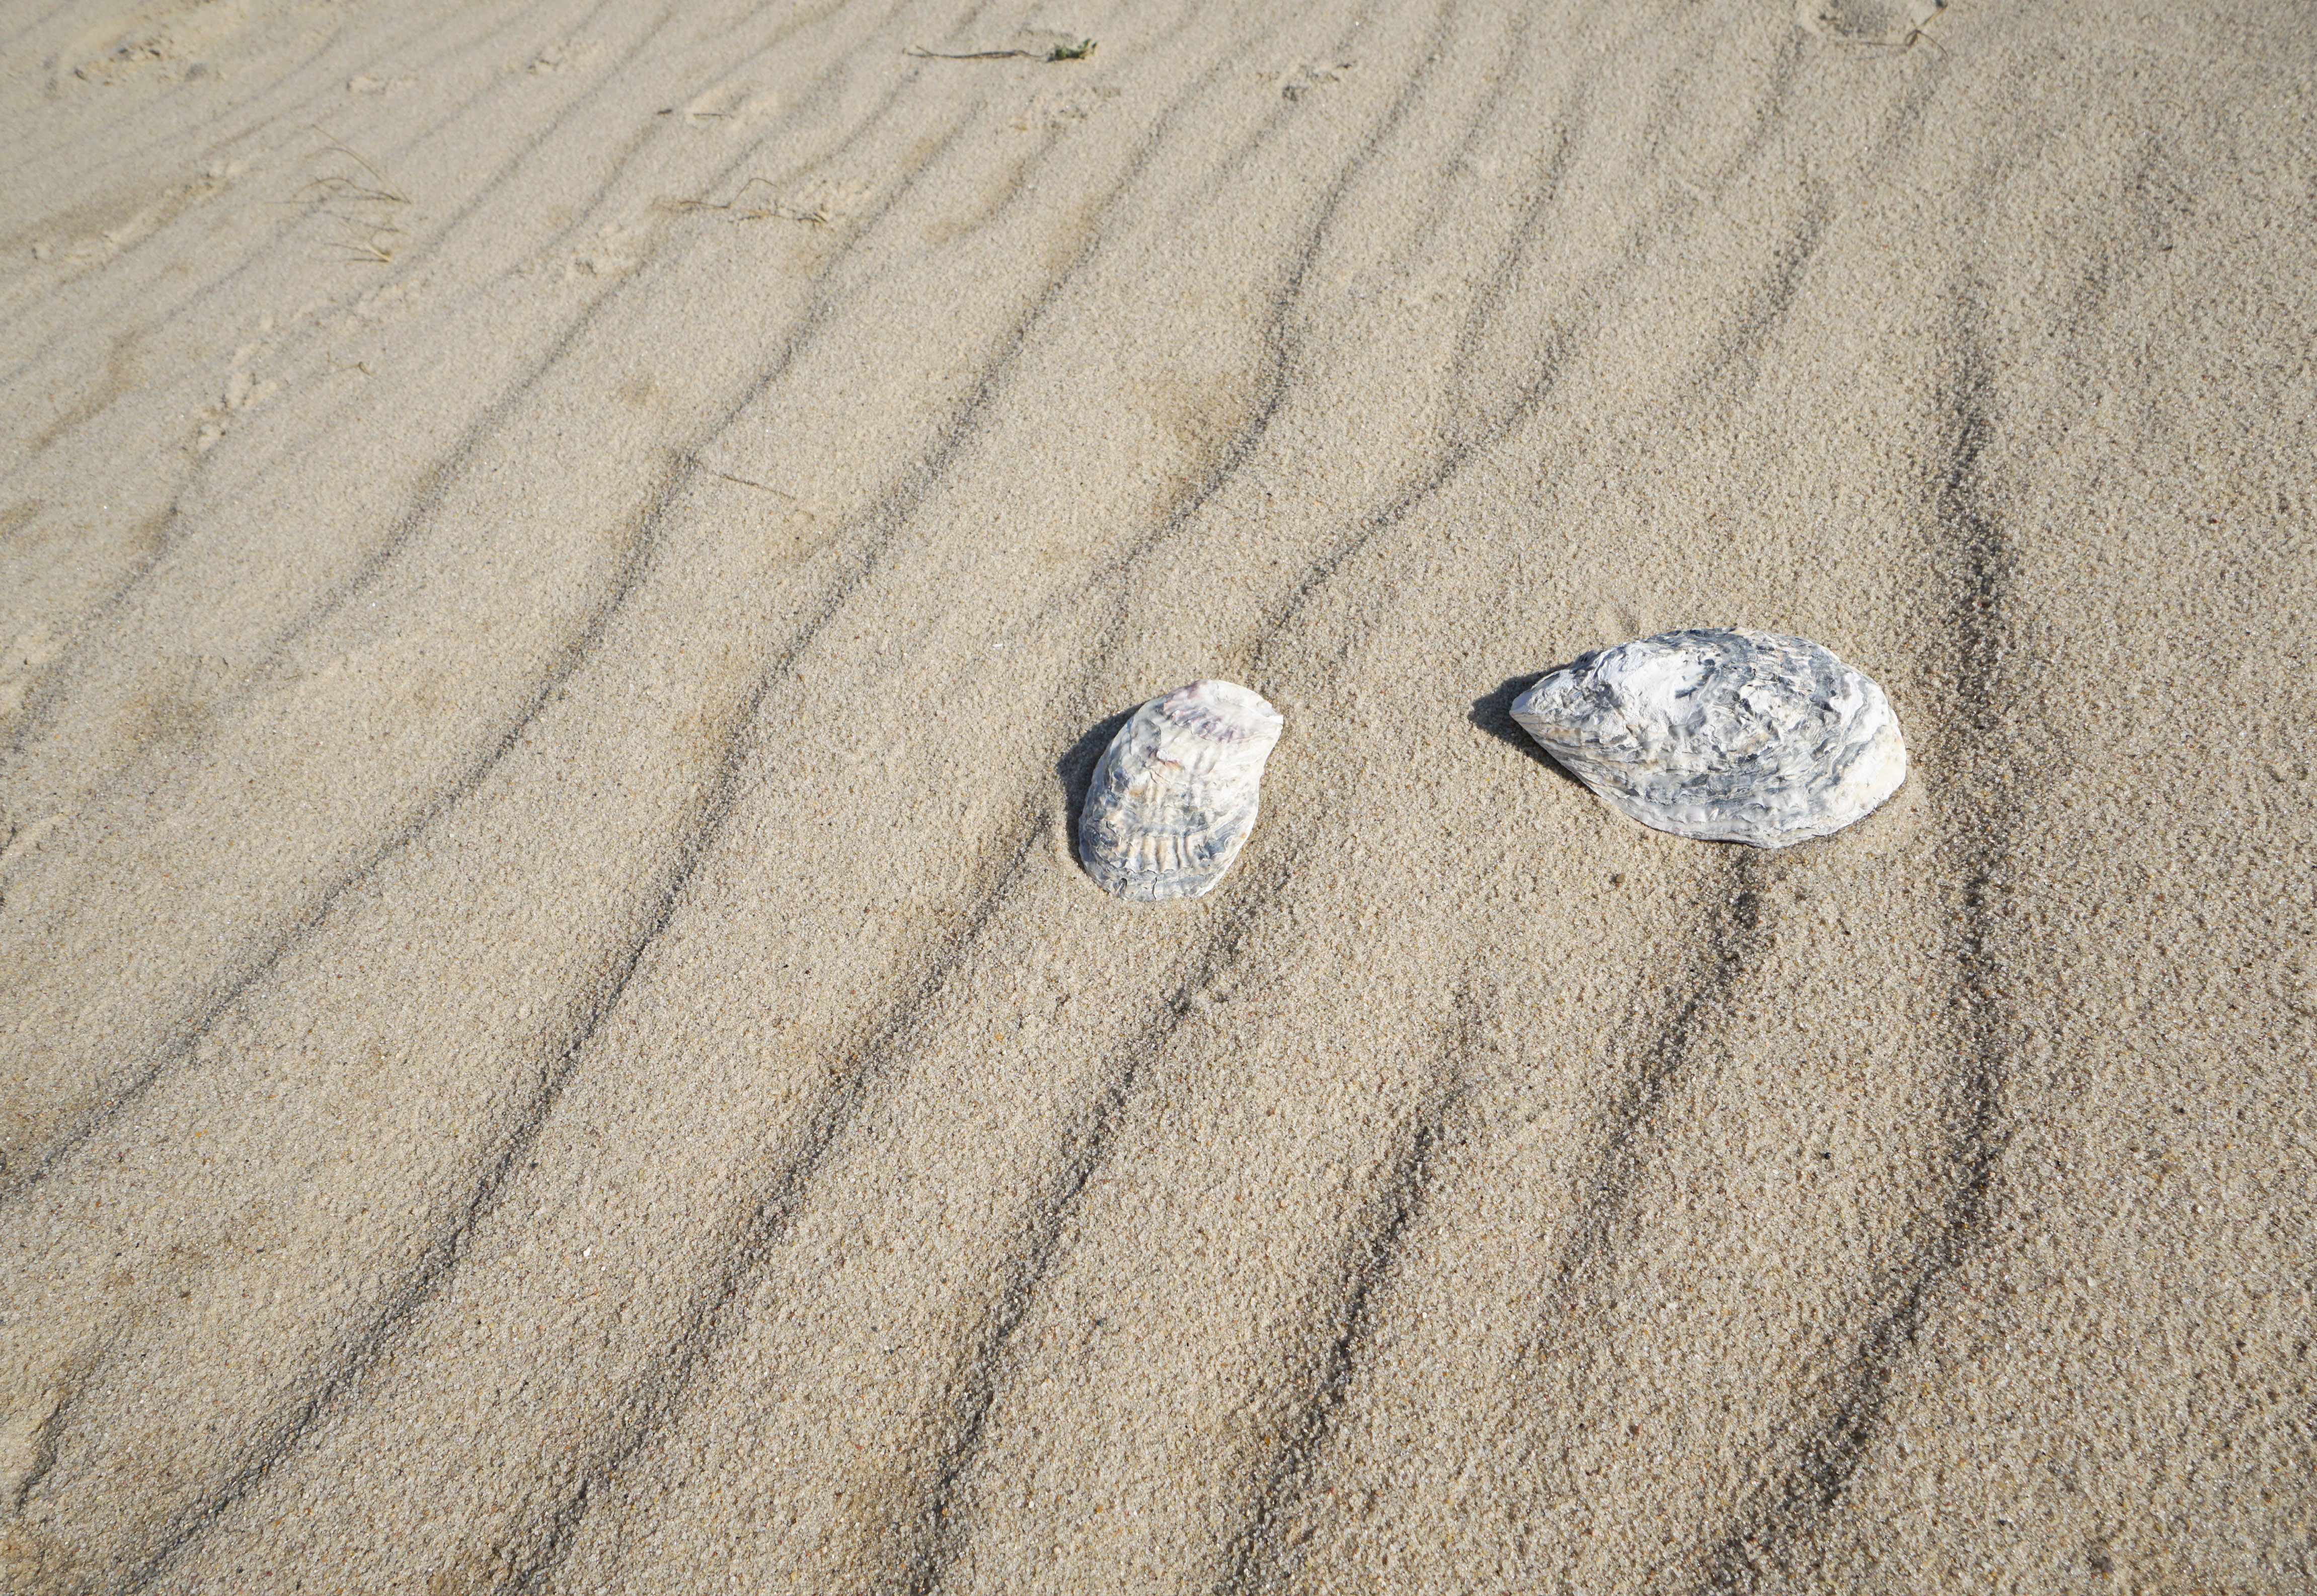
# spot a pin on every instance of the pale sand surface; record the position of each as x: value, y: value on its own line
x: 553, y: 1039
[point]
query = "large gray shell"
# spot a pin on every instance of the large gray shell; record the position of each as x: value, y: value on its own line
x: 1730, y: 735
x: 1174, y: 796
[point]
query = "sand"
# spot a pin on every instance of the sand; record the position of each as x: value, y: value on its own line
x: 564, y: 568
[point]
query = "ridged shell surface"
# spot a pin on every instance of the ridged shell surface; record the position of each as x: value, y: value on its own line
x: 1735, y: 736
x: 1176, y: 794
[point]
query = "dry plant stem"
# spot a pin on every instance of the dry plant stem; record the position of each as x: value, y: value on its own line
x: 818, y: 216
x: 743, y: 481
x: 386, y: 191
x: 361, y: 236
x: 1061, y: 52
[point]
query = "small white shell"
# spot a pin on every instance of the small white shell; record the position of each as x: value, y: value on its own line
x: 1734, y: 737
x: 1174, y: 796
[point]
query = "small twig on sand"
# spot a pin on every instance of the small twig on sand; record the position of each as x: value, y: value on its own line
x: 367, y: 244
x: 923, y: 54
x: 816, y: 217
x: 743, y: 481
x: 1061, y: 52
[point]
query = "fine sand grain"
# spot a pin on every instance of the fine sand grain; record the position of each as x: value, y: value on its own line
x: 563, y: 568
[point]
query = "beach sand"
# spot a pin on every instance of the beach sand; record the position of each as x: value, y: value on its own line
x: 564, y: 565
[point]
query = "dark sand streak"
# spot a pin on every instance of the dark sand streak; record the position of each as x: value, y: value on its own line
x: 641, y: 548
x: 652, y: 1401
x: 945, y: 1532
x: 1279, y: 357
x: 49, y: 1435
x: 441, y: 1257
x: 1556, y: 345
x: 1980, y: 575
x: 1369, y: 1265
x: 53, y: 678
x: 256, y: 109
x: 1735, y: 933
x: 659, y: 1392
x: 1783, y: 283
x: 1734, y: 923
x: 624, y: 586
x: 938, y: 1534
x: 255, y: 255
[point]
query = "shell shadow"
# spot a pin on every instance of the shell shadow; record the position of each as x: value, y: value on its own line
x: 1075, y: 771
x: 1493, y: 714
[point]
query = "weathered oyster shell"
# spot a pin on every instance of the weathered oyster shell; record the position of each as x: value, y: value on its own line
x: 1735, y: 736
x: 1174, y: 796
